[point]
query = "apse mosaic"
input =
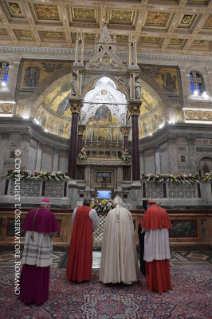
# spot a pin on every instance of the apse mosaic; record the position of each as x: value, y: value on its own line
x: 105, y: 107
x: 103, y: 126
x: 168, y: 78
x: 34, y: 72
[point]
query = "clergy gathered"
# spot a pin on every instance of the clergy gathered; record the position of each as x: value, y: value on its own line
x: 119, y: 262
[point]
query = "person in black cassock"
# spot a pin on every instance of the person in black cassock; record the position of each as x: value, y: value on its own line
x: 141, y: 243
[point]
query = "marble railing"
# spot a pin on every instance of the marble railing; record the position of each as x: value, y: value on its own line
x: 33, y: 189
x: 192, y: 194
x: 190, y: 228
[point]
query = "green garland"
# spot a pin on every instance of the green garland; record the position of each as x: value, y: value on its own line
x: 26, y: 174
x: 169, y: 178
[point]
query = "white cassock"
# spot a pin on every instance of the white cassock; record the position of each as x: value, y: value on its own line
x: 118, y: 254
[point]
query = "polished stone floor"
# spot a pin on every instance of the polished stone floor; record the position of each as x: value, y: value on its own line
x: 178, y: 258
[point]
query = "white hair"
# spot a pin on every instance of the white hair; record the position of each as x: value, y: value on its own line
x: 45, y: 204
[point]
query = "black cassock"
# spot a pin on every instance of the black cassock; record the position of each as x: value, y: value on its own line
x: 141, y: 245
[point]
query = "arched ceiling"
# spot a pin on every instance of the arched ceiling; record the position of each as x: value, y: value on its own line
x: 169, y: 26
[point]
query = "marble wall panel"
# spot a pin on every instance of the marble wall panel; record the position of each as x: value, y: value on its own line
x: 63, y: 164
x: 150, y: 164
x: 183, y: 229
x: 47, y: 160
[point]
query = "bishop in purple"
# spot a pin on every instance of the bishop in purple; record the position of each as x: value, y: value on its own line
x: 40, y: 226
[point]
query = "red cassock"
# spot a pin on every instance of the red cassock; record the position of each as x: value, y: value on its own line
x: 156, y: 248
x: 79, y: 264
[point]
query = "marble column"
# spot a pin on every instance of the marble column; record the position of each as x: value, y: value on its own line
x: 209, y: 86
x: 26, y: 134
x: 157, y: 160
x: 55, y: 159
x: 172, y: 155
x: 81, y: 130
x: 3, y: 150
x: 125, y: 132
x: 142, y: 167
x: 134, y: 109
x: 192, y: 154
x: 39, y: 156
x: 186, y: 89
x: 76, y: 105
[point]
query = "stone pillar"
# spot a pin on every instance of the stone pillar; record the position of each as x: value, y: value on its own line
x: 157, y: 160
x: 55, y: 159
x: 142, y: 162
x: 134, y: 109
x: 173, y: 156
x: 81, y: 130
x: 39, y: 156
x: 3, y: 150
x: 125, y: 132
x: 26, y: 134
x: 209, y: 87
x: 76, y: 105
x: 185, y: 86
x: 192, y: 154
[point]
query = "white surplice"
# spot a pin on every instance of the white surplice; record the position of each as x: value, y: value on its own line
x: 118, y: 254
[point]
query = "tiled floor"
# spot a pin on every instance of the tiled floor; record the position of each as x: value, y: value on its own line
x: 178, y: 258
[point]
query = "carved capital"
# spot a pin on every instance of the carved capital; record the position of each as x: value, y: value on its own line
x: 75, y: 105
x: 171, y: 140
x: 40, y: 146
x: 134, y: 108
x: 191, y: 140
x: 81, y: 129
x: 125, y: 130
x: 209, y: 69
x: 56, y: 151
x: 5, y: 135
x: 157, y: 148
x: 26, y: 134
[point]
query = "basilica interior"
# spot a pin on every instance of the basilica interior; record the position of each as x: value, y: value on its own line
x: 112, y: 97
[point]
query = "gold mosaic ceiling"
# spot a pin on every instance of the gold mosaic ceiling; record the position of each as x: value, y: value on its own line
x: 168, y: 26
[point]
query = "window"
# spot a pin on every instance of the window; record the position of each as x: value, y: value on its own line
x: 4, y: 69
x: 196, y: 82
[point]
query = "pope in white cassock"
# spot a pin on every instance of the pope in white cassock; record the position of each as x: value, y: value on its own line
x: 118, y: 255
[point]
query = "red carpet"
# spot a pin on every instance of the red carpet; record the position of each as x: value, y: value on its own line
x: 190, y: 297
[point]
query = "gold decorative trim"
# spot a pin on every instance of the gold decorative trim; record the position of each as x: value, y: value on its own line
x: 134, y: 108
x: 75, y: 106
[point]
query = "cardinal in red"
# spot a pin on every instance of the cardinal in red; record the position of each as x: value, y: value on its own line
x: 85, y: 221
x: 156, y: 225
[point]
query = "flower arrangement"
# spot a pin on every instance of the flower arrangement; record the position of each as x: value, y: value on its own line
x: 82, y: 155
x: 182, y: 178
x: 208, y: 177
x: 58, y: 176
x: 102, y: 205
x: 126, y: 156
